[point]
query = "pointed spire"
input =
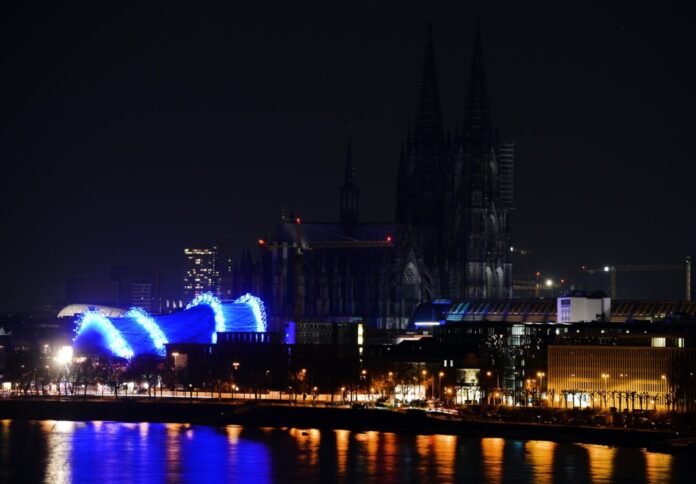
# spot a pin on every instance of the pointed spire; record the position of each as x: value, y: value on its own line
x: 349, y: 190
x: 349, y: 178
x: 428, y: 126
x: 477, y: 122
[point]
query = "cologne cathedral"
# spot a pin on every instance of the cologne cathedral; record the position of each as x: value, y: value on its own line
x: 450, y: 238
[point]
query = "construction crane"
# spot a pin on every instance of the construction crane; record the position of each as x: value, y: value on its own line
x: 517, y: 250
x: 613, y: 270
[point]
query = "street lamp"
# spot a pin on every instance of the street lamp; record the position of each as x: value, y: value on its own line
x: 488, y: 385
x: 439, y: 384
x: 63, y: 359
x: 363, y: 377
x: 65, y: 355
x: 541, y: 376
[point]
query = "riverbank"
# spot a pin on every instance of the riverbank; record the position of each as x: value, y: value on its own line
x: 277, y: 415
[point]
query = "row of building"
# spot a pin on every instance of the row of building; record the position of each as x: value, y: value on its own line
x: 637, y: 360
x: 624, y: 354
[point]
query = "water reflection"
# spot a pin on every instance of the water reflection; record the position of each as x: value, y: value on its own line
x: 658, y: 467
x: 342, y: 437
x: 55, y: 451
x: 540, y: 459
x: 492, y: 450
x: 601, y: 462
x: 59, y: 449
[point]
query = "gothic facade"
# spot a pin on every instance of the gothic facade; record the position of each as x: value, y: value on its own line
x: 450, y: 238
x: 456, y: 191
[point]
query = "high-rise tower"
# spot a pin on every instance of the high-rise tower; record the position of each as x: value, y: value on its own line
x: 200, y: 271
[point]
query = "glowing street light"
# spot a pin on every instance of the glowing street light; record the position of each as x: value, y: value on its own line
x: 65, y: 355
x: 541, y: 376
x: 439, y: 383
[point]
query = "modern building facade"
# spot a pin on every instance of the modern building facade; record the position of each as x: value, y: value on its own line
x: 623, y: 377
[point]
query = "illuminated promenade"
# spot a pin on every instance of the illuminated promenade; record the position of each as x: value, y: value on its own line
x: 209, y: 411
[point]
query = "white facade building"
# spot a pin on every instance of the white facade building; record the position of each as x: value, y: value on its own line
x: 574, y: 309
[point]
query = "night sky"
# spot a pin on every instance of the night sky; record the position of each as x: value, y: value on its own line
x: 128, y: 133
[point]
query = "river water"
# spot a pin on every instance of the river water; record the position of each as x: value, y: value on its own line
x: 60, y: 451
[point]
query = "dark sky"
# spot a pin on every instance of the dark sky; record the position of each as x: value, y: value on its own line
x: 129, y: 132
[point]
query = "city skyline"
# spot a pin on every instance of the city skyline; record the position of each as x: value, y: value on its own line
x: 128, y: 148
x: 351, y: 241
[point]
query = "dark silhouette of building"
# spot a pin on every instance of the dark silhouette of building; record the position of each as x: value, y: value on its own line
x: 450, y: 238
x: 127, y: 287
x: 457, y: 192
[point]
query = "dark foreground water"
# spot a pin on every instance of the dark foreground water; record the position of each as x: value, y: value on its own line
x: 57, y: 451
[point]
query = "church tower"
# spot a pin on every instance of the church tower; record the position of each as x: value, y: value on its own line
x: 483, y: 194
x: 350, y: 193
x: 422, y: 165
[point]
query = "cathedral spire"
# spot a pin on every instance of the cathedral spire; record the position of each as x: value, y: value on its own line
x: 428, y: 126
x: 349, y: 178
x: 477, y: 122
x: 349, y: 191
x: 420, y: 162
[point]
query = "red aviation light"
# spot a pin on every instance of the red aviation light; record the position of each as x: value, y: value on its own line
x: 538, y: 274
x: 298, y: 221
x: 389, y: 238
x: 262, y: 242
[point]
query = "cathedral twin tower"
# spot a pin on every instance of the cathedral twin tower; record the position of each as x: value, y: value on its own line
x: 455, y: 193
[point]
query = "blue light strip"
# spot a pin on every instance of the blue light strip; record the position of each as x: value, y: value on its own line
x: 153, y: 330
x: 258, y: 308
x: 428, y: 323
x: 114, y: 340
x: 209, y: 299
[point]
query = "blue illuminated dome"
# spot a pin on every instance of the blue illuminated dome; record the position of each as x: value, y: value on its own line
x: 137, y: 333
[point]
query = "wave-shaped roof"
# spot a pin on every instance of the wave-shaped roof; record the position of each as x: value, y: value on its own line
x: 135, y: 332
